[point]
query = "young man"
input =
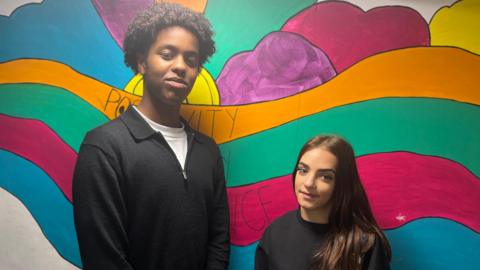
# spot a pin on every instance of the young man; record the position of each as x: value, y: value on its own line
x: 148, y: 191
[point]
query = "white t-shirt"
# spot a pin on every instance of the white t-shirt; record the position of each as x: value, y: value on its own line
x: 175, y: 137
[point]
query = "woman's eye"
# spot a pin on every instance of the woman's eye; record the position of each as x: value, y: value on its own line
x: 301, y: 171
x: 326, y: 177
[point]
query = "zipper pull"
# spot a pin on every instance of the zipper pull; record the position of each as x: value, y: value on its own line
x: 184, y: 175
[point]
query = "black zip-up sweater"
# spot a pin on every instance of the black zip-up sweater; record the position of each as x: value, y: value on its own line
x: 136, y: 209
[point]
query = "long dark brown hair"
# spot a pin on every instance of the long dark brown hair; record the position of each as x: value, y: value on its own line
x: 353, y: 228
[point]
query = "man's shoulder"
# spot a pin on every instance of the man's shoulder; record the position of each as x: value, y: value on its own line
x: 109, y: 133
x: 204, y: 139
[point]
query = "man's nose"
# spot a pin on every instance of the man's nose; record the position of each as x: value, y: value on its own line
x: 179, y: 65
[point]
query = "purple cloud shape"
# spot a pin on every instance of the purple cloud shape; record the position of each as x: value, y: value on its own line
x: 281, y: 65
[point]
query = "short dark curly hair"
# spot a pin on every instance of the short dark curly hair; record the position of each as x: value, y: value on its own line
x: 143, y: 30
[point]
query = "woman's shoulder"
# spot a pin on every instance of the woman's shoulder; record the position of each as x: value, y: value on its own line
x: 280, y: 225
x: 285, y: 221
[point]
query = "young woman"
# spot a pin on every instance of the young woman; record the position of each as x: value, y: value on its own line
x: 334, y: 228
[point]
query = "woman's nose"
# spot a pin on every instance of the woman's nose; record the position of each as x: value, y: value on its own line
x: 309, y: 181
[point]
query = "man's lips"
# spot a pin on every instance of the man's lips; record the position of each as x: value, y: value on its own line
x: 176, y: 83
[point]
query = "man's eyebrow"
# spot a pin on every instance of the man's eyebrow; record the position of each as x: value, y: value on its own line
x: 192, y: 53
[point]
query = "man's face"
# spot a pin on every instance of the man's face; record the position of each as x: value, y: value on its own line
x: 171, y: 66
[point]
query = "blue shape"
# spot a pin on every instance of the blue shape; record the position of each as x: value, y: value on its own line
x: 428, y: 244
x: 434, y: 243
x: 47, y: 204
x: 242, y: 258
x: 67, y: 31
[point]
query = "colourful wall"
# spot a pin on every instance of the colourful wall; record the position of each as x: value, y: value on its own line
x: 399, y: 79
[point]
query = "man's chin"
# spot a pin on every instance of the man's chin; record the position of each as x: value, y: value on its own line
x: 175, y: 97
x: 174, y: 100
x: 169, y: 100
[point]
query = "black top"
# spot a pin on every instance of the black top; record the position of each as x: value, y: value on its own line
x: 135, y: 209
x: 290, y: 243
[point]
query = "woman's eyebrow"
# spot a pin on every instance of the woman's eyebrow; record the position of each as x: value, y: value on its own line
x: 303, y: 164
x: 326, y: 170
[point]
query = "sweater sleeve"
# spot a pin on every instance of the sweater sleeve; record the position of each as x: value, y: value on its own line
x: 219, y: 223
x: 261, y: 258
x: 376, y: 259
x: 99, y: 210
x: 263, y: 250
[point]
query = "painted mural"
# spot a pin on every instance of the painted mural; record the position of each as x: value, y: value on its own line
x: 399, y: 79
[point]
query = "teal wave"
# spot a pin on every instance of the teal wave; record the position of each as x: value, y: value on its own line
x: 67, y: 114
x: 240, y: 25
x: 427, y: 126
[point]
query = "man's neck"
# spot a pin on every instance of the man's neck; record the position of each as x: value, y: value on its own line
x: 160, y: 113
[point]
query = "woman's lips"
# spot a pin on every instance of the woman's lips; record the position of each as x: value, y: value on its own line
x: 307, y: 195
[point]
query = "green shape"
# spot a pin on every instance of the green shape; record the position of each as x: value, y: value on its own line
x: 428, y: 126
x: 65, y: 113
x: 240, y: 25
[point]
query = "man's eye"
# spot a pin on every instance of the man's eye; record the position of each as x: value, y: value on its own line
x: 192, y: 61
x: 167, y: 55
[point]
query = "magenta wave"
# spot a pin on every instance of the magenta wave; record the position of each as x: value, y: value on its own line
x: 401, y: 187
x: 254, y: 207
x: 335, y: 26
x: 33, y: 140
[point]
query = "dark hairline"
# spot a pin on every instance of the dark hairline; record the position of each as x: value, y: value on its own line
x: 144, y: 28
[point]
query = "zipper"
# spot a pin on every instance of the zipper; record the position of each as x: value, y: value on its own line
x: 172, y: 153
x: 189, y: 151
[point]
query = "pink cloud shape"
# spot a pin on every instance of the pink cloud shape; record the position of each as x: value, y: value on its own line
x: 347, y: 34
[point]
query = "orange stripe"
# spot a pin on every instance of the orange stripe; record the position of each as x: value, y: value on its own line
x: 432, y: 72
x: 446, y: 73
x: 198, y: 5
x: 107, y: 99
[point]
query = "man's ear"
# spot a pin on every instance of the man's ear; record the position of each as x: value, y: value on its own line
x: 141, y: 63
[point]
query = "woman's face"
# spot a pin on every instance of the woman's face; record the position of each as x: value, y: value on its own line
x: 315, y: 181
